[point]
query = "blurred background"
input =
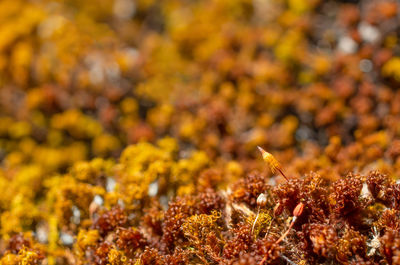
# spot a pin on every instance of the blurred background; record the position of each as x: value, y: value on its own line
x: 304, y: 79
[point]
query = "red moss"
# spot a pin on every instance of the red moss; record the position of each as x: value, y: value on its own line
x: 110, y: 220
x: 174, y: 218
x: 240, y: 243
x: 344, y: 197
x: 248, y: 189
x: 130, y: 240
x: 18, y: 242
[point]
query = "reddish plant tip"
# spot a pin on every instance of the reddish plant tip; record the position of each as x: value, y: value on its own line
x: 298, y: 210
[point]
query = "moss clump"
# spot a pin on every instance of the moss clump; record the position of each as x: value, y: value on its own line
x: 303, y: 220
x: 129, y: 132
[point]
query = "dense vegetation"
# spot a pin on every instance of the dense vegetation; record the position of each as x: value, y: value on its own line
x: 129, y: 132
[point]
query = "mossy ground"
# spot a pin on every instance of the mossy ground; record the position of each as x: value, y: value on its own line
x: 129, y: 132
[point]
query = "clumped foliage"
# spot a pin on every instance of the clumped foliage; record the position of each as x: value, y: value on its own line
x: 129, y: 132
x: 351, y: 220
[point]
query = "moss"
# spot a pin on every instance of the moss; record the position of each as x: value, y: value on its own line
x: 129, y: 132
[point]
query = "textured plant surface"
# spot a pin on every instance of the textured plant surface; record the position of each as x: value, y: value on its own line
x: 129, y: 132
